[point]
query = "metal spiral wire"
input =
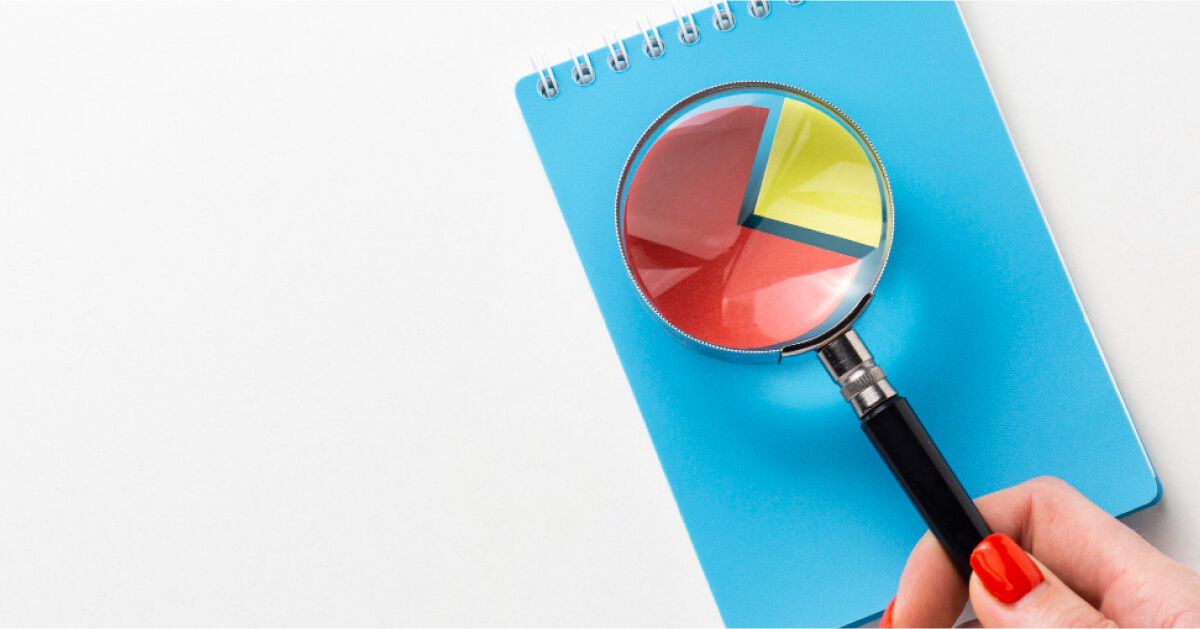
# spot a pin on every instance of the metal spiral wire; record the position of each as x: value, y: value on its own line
x: 653, y: 45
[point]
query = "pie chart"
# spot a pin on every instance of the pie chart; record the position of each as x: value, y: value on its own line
x: 752, y: 221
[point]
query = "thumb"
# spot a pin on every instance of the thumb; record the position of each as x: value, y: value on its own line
x: 1011, y: 589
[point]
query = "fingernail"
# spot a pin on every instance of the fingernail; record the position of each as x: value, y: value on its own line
x: 1004, y: 569
x: 886, y: 621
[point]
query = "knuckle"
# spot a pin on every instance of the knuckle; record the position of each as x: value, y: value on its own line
x: 1049, y: 484
x: 1078, y: 616
x: 1183, y: 618
x: 1048, y: 495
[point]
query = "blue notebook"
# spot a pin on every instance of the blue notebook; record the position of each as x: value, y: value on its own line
x: 794, y: 518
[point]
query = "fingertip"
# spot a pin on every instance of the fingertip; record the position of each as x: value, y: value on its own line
x: 1048, y: 603
x: 974, y: 589
x: 988, y: 610
x: 1005, y: 570
x: 931, y: 592
x: 886, y: 621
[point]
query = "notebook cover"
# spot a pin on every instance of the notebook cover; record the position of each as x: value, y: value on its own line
x: 794, y: 518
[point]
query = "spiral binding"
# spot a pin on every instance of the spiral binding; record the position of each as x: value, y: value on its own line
x: 652, y: 43
x: 583, y: 73
x: 618, y: 57
x: 688, y: 34
x: 722, y: 17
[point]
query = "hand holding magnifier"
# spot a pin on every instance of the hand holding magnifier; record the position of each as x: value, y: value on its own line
x: 755, y: 221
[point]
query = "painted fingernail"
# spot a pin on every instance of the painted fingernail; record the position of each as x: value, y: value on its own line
x: 886, y: 621
x: 1004, y: 569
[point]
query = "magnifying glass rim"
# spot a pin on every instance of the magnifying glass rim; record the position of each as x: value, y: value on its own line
x: 803, y: 345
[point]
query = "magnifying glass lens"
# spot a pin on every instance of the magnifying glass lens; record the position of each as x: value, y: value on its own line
x: 754, y: 218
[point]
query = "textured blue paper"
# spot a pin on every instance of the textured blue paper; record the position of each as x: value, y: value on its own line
x: 794, y: 518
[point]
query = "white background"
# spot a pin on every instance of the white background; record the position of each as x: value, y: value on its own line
x: 291, y: 330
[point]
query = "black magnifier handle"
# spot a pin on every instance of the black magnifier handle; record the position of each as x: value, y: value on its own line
x: 903, y: 443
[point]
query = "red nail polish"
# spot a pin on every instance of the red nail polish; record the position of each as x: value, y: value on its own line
x: 886, y: 621
x: 1004, y: 569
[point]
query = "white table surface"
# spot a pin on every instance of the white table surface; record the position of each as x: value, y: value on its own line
x: 273, y: 348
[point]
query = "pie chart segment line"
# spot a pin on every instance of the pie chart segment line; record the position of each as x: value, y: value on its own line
x: 808, y: 236
x: 750, y: 201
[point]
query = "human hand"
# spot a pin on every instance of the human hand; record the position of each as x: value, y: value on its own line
x: 1080, y: 568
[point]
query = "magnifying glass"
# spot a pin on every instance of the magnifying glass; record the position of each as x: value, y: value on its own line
x: 755, y: 220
